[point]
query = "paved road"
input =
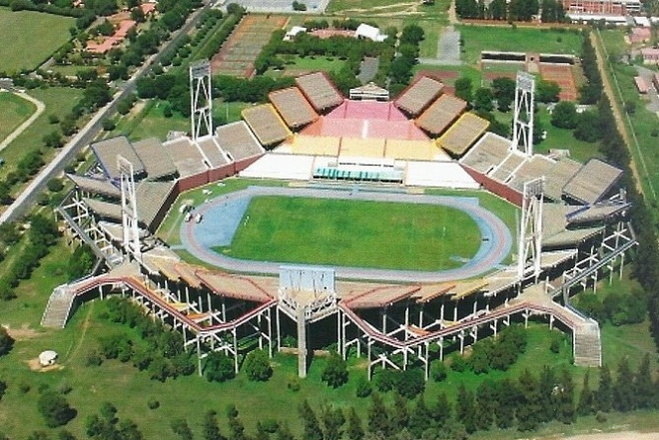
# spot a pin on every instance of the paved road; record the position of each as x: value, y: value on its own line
x: 88, y: 133
x: 21, y: 128
x: 496, y: 244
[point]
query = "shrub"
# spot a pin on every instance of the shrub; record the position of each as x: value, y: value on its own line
x: 55, y: 409
x: 336, y: 371
x: 257, y: 366
x: 438, y: 371
x: 219, y: 367
x: 153, y: 404
x: 364, y: 388
x: 458, y: 363
x: 55, y: 185
x: 6, y: 341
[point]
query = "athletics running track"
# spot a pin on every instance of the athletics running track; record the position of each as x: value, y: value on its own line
x: 222, y: 216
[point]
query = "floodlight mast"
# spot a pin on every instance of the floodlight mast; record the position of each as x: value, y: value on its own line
x: 201, y: 99
x: 523, y: 115
x: 529, y: 246
x: 129, y: 219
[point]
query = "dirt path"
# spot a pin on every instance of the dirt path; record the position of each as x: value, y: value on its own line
x: 75, y: 347
x: 617, y: 114
x: 21, y: 128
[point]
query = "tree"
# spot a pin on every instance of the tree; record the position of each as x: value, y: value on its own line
x: 503, y: 90
x: 605, y: 391
x: 235, y: 424
x: 441, y: 411
x: 364, y: 387
x: 181, y: 428
x: 623, y: 394
x: 438, y: 371
x: 529, y: 412
x: 506, y: 396
x: 378, y: 416
x: 400, y: 416
x: 409, y: 383
x: 565, y: 397
x: 6, y: 341
x: 586, y: 405
x: 643, y: 388
x: 210, y: 428
x: 552, y: 11
x: 588, y: 127
x: 311, y: 428
x: 55, y: 409
x: 257, y: 366
x: 219, y: 367
x: 498, y: 9
x: 483, y: 99
x: 564, y: 115
x: 3, y: 388
x: 463, y: 89
x: 333, y: 420
x: 53, y: 139
x: 485, y: 404
x: 355, y: 430
x: 465, y: 408
x: 420, y: 418
x: 336, y: 371
x: 547, y: 91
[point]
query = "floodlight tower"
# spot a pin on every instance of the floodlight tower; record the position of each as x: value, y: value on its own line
x: 523, y: 116
x: 201, y: 100
x: 529, y: 246
x: 131, y: 233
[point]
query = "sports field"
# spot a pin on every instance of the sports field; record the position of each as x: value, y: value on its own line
x: 15, y: 110
x: 28, y: 38
x: 354, y: 233
x: 479, y: 38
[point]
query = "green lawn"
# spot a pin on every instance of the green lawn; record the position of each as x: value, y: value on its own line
x: 296, y: 64
x: 150, y: 121
x: 28, y: 38
x: 479, y: 38
x: 641, y: 124
x: 15, y: 110
x: 351, y: 233
x: 59, y: 101
x: 561, y: 138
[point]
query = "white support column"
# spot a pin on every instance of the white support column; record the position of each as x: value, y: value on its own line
x: 523, y: 114
x: 201, y: 100
x: 529, y: 246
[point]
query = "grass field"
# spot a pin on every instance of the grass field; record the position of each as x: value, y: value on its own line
x: 641, y: 124
x: 351, y: 233
x: 15, y: 110
x: 298, y: 65
x: 27, y: 38
x: 151, y: 121
x: 58, y: 100
x: 479, y: 38
x: 436, y: 12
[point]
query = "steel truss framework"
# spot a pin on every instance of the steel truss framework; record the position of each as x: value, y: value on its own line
x: 523, y: 114
x: 201, y: 117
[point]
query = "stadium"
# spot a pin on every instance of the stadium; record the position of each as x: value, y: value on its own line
x: 164, y: 219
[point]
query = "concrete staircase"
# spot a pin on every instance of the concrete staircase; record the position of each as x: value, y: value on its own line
x: 59, y: 307
x: 587, y: 346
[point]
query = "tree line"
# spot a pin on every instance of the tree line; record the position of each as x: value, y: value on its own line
x: 550, y: 11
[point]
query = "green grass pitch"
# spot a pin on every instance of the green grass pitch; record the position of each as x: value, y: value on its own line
x: 27, y: 38
x: 354, y: 233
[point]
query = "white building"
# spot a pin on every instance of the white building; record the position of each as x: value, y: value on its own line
x: 369, y: 32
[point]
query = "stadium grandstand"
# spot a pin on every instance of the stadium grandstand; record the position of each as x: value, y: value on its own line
x: 311, y: 134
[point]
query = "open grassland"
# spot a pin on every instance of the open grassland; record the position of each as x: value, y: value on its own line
x: 150, y: 120
x: 58, y: 100
x: 479, y: 38
x: 190, y: 397
x: 437, y: 12
x: 296, y: 65
x: 15, y: 110
x: 27, y: 38
x: 354, y: 233
x: 641, y: 123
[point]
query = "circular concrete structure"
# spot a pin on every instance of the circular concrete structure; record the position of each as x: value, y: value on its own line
x: 222, y: 216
